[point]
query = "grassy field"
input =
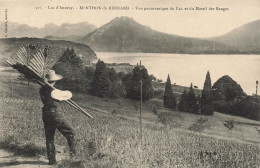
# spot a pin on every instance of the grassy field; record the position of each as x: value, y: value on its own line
x: 111, y: 139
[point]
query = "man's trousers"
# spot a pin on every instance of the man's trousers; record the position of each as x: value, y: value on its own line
x: 54, y: 119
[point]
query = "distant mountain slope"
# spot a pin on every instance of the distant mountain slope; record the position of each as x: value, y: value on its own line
x: 18, y: 30
x: 10, y: 45
x: 79, y: 29
x: 246, y: 37
x: 126, y: 35
x: 73, y: 38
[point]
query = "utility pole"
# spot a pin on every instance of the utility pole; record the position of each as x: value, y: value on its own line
x: 256, y: 88
x: 141, y: 101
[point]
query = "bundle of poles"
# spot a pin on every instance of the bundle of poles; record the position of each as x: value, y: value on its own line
x: 35, y: 65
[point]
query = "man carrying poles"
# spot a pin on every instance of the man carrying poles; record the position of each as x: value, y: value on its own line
x: 53, y: 118
x: 37, y: 67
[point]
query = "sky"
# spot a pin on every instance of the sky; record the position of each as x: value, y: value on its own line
x: 190, y: 23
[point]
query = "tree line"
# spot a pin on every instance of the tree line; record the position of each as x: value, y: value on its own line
x: 225, y: 95
x: 188, y: 101
x: 102, y: 81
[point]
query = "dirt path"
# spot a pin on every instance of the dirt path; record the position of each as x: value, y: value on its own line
x: 9, y: 160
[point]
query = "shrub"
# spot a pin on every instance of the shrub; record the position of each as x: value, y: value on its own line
x: 182, y: 106
x: 192, y: 103
x: 158, y: 94
x: 170, y: 119
x: 247, y: 107
x: 155, y: 111
x: 229, y: 124
x: 199, y: 125
x: 188, y: 102
x: 222, y: 106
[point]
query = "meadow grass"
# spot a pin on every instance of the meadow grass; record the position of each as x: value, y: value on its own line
x: 113, y: 140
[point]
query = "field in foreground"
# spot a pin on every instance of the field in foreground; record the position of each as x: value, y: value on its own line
x: 113, y: 140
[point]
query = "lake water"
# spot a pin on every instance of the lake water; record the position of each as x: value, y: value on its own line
x: 185, y: 68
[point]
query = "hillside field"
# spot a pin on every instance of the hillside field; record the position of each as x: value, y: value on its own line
x: 111, y: 139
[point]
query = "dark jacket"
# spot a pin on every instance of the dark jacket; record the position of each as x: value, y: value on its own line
x: 49, y: 104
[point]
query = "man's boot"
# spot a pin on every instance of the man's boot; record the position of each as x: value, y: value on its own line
x: 51, y: 153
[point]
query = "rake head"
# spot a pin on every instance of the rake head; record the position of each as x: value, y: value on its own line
x: 33, y: 63
x: 28, y: 73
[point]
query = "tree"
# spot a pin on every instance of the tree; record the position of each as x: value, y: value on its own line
x: 88, y: 77
x: 101, y: 84
x: 147, y: 85
x: 70, y: 66
x: 71, y: 56
x: 127, y: 83
x: 247, y: 107
x: 153, y: 78
x: 133, y: 84
x: 191, y: 101
x: 121, y: 75
x: 182, y: 104
x: 117, y: 89
x: 169, y: 99
x: 112, y: 75
x: 226, y: 89
x: 159, y: 80
x: 207, y: 97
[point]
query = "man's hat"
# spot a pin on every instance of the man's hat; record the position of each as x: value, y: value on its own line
x: 61, y: 95
x: 52, y: 76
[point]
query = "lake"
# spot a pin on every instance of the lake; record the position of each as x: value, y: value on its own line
x: 184, y: 68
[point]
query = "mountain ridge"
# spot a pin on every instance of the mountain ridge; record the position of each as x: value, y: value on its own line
x: 124, y: 34
x: 66, y: 29
x: 246, y: 37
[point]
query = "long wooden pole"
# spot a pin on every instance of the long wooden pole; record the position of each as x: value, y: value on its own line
x: 72, y: 103
x: 42, y: 84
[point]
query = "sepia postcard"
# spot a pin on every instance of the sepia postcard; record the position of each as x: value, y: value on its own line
x: 129, y: 83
